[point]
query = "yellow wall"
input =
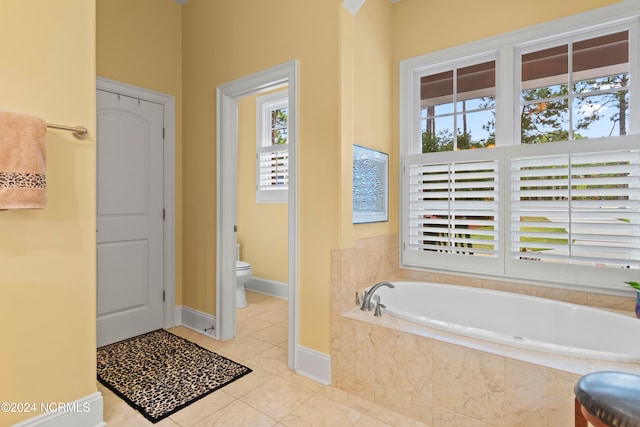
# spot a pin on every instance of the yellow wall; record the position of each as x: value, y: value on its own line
x: 373, y: 112
x: 348, y: 94
x: 47, y: 256
x: 421, y: 27
x: 262, y: 227
x: 224, y: 41
x: 139, y: 42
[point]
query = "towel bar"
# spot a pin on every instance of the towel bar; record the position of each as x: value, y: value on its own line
x: 79, y: 132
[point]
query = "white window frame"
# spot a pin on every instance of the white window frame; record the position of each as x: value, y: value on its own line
x: 507, y: 50
x: 265, y: 104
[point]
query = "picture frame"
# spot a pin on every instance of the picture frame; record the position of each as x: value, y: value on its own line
x: 370, y: 185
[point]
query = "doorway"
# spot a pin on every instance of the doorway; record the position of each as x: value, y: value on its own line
x: 135, y: 211
x: 227, y: 187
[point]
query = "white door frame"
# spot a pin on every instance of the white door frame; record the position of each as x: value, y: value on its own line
x: 169, y: 260
x: 227, y: 96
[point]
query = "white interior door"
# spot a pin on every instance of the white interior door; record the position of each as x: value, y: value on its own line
x: 129, y: 217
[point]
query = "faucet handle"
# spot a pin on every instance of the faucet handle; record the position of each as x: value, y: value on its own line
x: 378, y: 312
x: 358, y: 299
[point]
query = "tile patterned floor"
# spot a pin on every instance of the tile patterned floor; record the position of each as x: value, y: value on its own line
x: 271, y: 395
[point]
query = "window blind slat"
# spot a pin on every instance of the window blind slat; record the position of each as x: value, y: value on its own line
x: 453, y: 207
x: 273, y: 169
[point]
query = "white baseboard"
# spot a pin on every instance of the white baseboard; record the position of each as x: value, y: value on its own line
x: 197, y: 320
x: 268, y: 287
x: 313, y: 364
x: 84, y: 412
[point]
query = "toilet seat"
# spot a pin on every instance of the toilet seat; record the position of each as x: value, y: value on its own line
x: 241, y: 266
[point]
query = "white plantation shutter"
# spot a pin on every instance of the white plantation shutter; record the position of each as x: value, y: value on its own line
x: 273, y: 168
x: 453, y: 208
x: 577, y: 208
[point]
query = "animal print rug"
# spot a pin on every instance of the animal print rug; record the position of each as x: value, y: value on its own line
x: 159, y: 373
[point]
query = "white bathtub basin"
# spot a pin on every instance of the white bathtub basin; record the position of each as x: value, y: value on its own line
x: 519, y: 320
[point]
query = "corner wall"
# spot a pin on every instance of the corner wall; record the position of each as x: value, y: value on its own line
x: 47, y: 256
x: 367, y: 109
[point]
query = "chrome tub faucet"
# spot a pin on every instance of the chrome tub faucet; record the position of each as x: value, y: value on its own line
x: 366, y: 300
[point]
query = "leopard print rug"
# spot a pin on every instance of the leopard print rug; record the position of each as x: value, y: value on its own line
x: 159, y: 373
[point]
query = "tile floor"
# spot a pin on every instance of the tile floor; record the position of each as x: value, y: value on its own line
x: 271, y: 395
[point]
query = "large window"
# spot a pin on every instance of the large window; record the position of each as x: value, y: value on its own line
x: 272, y: 148
x: 557, y: 198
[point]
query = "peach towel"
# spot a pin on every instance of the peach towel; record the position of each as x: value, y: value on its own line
x: 22, y: 161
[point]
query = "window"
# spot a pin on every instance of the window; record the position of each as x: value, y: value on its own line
x: 559, y: 192
x: 457, y: 108
x: 272, y: 149
x: 576, y: 90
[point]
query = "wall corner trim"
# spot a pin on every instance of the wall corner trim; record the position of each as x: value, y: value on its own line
x: 84, y: 412
x: 353, y: 5
x: 314, y: 365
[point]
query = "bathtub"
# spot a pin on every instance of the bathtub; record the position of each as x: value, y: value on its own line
x: 517, y: 320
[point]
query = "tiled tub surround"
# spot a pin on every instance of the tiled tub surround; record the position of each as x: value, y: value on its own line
x: 444, y: 379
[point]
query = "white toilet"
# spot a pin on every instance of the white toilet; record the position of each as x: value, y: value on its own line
x: 243, y: 275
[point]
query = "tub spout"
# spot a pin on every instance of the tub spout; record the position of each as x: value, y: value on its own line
x: 366, y: 301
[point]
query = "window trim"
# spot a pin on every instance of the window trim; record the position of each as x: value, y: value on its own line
x: 506, y: 49
x: 264, y: 105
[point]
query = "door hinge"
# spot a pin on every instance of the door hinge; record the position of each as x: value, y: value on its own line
x: 163, y: 133
x: 164, y: 214
x: 163, y: 295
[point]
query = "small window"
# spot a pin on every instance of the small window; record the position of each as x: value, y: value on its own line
x: 576, y: 90
x: 272, y: 148
x: 457, y: 108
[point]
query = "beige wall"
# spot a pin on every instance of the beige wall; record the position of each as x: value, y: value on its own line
x: 47, y: 256
x: 139, y: 42
x: 262, y: 227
